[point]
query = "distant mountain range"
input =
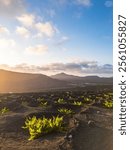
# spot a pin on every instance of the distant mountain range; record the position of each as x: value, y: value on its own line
x: 86, y: 79
x: 26, y: 82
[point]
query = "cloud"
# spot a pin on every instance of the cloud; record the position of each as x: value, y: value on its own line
x: 84, y: 67
x: 19, y: 67
x: 37, y: 49
x: 46, y: 29
x: 23, y: 32
x: 108, y: 3
x: 5, y: 66
x: 63, y: 40
x: 80, y: 68
x: 73, y: 66
x: 11, y: 8
x: 6, y: 43
x: 84, y: 2
x: 26, y: 19
x: 4, y: 30
x: 6, y: 2
x: 40, y: 29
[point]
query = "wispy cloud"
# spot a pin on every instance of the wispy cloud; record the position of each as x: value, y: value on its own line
x: 63, y: 40
x: 74, y: 2
x: 83, y: 68
x: 11, y: 8
x: 4, y: 30
x: 6, y: 43
x: 26, y: 19
x: 37, y: 49
x: 23, y: 32
x: 45, y: 29
x: 38, y: 28
x: 84, y: 2
x: 108, y: 3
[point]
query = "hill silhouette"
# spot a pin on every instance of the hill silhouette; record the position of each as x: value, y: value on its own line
x: 27, y: 82
x: 86, y: 79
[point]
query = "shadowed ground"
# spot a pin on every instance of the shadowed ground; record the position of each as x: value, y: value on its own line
x: 84, y: 135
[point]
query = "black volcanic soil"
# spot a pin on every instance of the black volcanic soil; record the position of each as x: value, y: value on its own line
x: 90, y: 128
x: 99, y: 135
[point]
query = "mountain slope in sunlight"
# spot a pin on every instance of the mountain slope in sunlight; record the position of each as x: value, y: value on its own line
x: 27, y: 82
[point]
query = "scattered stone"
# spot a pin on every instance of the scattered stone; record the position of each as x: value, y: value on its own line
x: 91, y: 123
x: 70, y: 136
x: 98, y: 111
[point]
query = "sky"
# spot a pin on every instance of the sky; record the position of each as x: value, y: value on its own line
x: 53, y: 36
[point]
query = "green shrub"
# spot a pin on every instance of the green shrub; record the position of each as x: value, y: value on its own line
x: 43, y: 104
x: 60, y: 101
x: 82, y: 96
x: 78, y: 103
x: 40, y: 126
x: 108, y: 104
x: 40, y: 99
x: 4, y: 110
x: 65, y: 111
x: 86, y: 99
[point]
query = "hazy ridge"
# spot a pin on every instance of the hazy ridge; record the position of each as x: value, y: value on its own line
x: 26, y: 82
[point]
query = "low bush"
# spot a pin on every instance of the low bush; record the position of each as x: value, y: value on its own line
x: 78, y: 103
x: 4, y: 110
x: 60, y: 101
x: 86, y: 99
x: 39, y: 126
x: 65, y: 111
x: 43, y: 104
x: 108, y: 104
